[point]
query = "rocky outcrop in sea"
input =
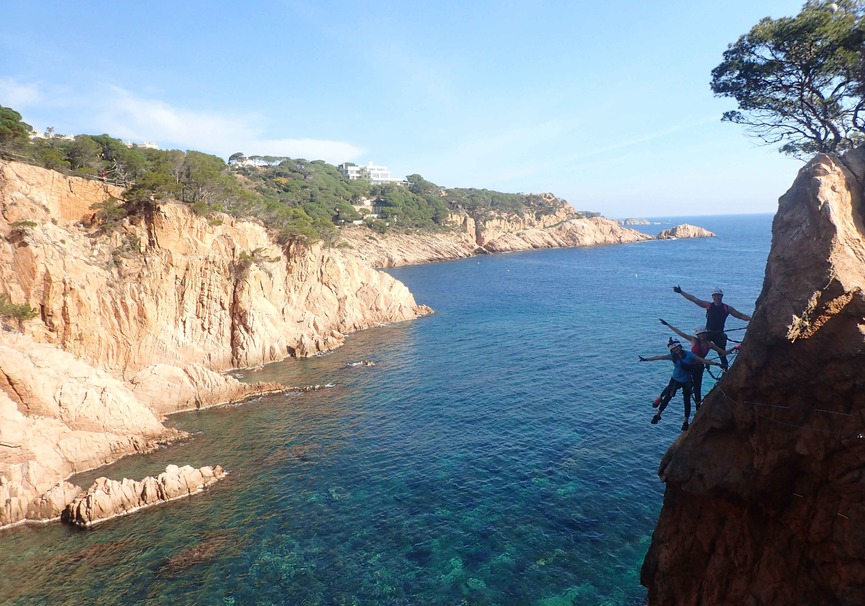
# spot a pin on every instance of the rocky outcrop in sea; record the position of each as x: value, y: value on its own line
x: 685, y: 231
x: 107, y: 499
x: 765, y: 494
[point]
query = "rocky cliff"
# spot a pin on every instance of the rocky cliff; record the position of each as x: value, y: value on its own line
x: 506, y: 233
x: 765, y: 494
x: 137, y: 320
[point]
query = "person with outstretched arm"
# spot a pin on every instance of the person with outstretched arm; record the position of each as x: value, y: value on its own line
x: 682, y: 361
x: 716, y: 315
x: 700, y: 347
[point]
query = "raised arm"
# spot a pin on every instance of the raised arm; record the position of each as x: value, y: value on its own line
x: 738, y: 314
x: 691, y: 297
x: 704, y: 361
x: 720, y: 351
x: 678, y: 332
x: 653, y: 358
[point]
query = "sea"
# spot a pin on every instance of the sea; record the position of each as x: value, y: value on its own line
x: 496, y: 452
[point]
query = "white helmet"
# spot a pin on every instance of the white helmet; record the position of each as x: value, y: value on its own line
x: 700, y: 330
x: 717, y: 291
x: 673, y: 345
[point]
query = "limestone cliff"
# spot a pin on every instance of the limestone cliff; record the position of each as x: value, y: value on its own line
x: 138, y: 320
x: 765, y: 494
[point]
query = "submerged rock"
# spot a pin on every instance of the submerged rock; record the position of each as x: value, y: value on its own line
x: 765, y: 494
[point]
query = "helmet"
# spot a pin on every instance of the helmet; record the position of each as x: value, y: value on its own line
x: 673, y: 344
x: 717, y: 291
x: 700, y: 330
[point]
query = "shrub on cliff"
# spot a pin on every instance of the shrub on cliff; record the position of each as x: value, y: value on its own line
x: 20, y: 312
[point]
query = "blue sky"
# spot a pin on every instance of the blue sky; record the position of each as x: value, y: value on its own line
x: 606, y: 104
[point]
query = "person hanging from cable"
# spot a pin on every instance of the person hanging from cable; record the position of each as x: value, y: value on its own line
x: 700, y: 347
x: 681, y: 379
x: 716, y: 315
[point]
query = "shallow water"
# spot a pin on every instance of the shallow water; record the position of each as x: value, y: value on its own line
x: 498, y: 452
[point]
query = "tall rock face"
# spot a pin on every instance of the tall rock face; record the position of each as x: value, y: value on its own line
x: 765, y: 494
x: 170, y: 287
x: 138, y: 320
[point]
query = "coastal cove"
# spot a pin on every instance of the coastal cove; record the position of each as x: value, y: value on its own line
x: 498, y: 451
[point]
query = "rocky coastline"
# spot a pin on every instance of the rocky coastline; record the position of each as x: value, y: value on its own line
x: 144, y: 318
x: 566, y: 228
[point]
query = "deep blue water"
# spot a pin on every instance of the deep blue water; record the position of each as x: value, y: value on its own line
x: 498, y: 452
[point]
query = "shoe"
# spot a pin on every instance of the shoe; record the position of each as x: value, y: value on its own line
x: 656, y: 402
x: 655, y: 419
x: 685, y: 425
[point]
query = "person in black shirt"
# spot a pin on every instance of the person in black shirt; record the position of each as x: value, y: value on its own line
x: 716, y: 315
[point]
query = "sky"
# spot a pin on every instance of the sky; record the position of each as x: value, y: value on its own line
x: 605, y: 104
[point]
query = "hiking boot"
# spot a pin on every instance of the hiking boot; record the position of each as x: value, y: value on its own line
x: 655, y: 419
x: 685, y: 425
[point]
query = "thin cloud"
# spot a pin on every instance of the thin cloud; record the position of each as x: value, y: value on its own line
x: 17, y: 95
x: 635, y: 141
x: 147, y: 119
x: 122, y: 114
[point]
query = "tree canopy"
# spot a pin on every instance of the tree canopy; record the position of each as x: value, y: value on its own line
x: 799, y: 81
x: 13, y: 130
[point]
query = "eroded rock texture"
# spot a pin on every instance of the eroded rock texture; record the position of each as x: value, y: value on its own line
x: 765, y: 495
x: 107, y: 499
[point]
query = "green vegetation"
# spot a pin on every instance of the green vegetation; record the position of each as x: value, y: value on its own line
x: 14, y: 133
x: 800, y: 81
x: 20, y: 312
x: 300, y: 200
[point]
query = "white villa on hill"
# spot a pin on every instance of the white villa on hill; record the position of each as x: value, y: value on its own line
x: 374, y: 174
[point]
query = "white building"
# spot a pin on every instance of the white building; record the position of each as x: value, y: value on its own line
x: 372, y: 173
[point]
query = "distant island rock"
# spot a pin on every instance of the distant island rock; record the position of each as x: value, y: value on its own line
x: 634, y: 222
x: 685, y: 231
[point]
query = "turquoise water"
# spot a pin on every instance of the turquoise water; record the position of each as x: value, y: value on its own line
x: 498, y: 452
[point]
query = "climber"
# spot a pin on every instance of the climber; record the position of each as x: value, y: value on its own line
x: 681, y: 379
x: 716, y: 316
x: 700, y: 346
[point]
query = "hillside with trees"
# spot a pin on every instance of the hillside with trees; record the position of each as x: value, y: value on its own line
x: 298, y: 199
